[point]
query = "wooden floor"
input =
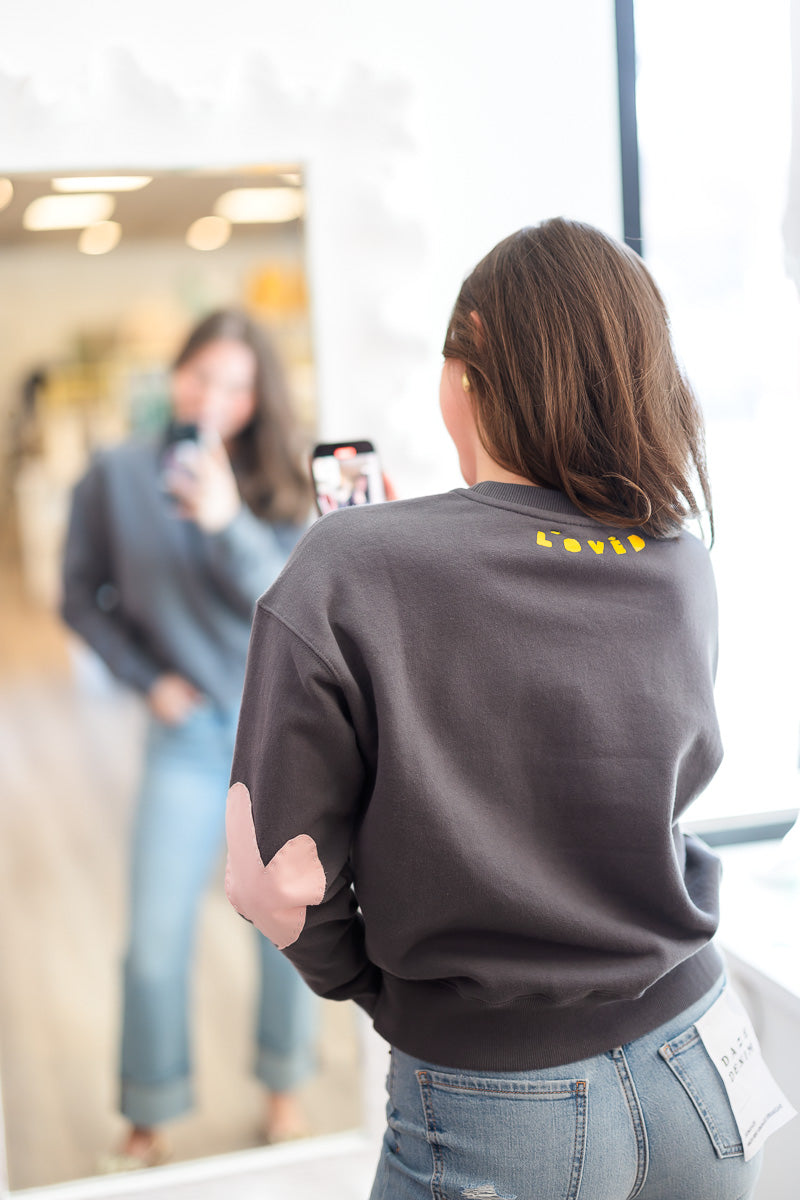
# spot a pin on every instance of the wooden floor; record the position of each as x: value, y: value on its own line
x: 68, y: 758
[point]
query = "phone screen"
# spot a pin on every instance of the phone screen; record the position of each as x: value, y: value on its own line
x: 346, y: 474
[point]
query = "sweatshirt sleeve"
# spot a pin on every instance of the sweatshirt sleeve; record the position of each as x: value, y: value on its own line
x: 247, y: 556
x: 297, y: 787
x: 88, y: 579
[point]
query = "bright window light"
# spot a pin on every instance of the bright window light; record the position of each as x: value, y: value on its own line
x: 715, y: 158
x: 67, y: 212
x: 101, y: 183
x: 256, y: 205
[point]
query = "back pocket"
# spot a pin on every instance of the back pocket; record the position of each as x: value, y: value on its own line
x: 490, y: 1137
x: 688, y: 1059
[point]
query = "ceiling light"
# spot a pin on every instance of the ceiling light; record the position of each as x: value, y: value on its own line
x: 208, y: 233
x: 254, y: 205
x: 6, y: 193
x: 100, y: 237
x: 103, y: 183
x: 68, y: 212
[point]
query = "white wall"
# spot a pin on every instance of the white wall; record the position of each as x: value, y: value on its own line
x: 429, y: 131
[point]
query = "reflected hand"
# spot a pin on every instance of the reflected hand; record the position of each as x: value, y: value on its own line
x: 172, y: 699
x: 205, y: 488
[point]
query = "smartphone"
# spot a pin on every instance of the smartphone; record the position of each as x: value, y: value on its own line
x: 346, y: 474
x: 178, y: 452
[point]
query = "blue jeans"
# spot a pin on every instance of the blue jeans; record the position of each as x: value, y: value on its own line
x: 607, y: 1128
x: 178, y: 837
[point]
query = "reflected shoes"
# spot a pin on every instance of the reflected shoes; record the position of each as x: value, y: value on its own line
x: 154, y: 1154
x: 274, y: 1135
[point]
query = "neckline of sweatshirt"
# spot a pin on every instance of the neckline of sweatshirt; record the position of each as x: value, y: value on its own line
x: 528, y: 498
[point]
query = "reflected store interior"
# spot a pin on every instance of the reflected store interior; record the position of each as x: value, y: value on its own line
x: 103, y: 278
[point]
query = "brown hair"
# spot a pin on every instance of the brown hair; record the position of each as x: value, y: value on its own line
x: 266, y: 455
x: 567, y: 348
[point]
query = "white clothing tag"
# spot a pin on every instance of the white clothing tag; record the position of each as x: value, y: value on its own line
x: 759, y: 1106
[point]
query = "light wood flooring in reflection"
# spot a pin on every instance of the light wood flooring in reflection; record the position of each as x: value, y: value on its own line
x: 68, y: 761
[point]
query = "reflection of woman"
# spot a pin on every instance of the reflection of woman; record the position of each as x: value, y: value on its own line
x: 359, y: 493
x: 165, y: 558
x: 486, y: 711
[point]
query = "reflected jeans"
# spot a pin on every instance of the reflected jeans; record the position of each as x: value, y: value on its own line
x: 614, y: 1127
x: 178, y: 837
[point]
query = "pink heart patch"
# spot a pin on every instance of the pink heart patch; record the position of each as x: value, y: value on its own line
x: 274, y: 897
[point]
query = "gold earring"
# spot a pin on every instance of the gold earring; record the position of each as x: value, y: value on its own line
x: 465, y: 383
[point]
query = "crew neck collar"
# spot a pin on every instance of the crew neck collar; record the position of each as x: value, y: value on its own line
x: 532, y: 497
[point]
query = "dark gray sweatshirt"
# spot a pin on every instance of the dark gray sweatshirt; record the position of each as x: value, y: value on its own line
x: 153, y: 593
x: 469, y: 727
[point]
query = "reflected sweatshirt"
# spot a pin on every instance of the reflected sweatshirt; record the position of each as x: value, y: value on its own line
x: 469, y: 727
x: 151, y: 592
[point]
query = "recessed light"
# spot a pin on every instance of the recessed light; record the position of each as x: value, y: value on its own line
x: 100, y: 237
x: 67, y: 212
x: 208, y: 233
x: 245, y: 206
x: 101, y: 183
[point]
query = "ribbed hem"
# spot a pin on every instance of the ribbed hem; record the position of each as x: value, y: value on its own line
x: 147, y: 1104
x: 433, y: 1022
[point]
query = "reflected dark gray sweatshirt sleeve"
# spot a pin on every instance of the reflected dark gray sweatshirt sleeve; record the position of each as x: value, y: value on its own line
x: 88, y: 588
x: 246, y: 557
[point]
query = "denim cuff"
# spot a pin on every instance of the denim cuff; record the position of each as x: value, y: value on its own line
x: 148, y: 1104
x: 284, y: 1072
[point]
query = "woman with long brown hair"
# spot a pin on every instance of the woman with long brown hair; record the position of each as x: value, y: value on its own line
x: 171, y: 541
x: 470, y: 725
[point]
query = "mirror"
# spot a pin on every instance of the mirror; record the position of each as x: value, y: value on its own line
x: 90, y: 316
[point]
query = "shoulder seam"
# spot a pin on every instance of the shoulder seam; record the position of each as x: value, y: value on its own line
x: 302, y: 638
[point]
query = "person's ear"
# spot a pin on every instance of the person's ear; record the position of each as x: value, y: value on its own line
x: 480, y: 332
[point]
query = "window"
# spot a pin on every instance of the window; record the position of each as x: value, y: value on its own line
x: 714, y: 126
